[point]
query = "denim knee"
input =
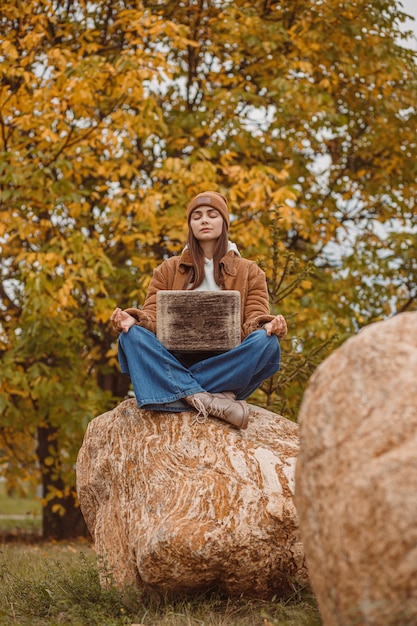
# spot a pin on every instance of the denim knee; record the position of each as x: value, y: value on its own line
x: 135, y: 333
x: 266, y: 343
x: 129, y: 343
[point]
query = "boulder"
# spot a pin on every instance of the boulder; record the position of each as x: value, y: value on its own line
x: 356, y: 478
x: 180, y: 506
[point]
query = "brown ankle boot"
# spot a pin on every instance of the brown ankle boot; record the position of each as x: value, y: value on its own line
x: 234, y: 412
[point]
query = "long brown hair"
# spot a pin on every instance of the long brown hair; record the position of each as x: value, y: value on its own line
x: 197, y: 257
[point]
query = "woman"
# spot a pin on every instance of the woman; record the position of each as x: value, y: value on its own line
x: 219, y: 384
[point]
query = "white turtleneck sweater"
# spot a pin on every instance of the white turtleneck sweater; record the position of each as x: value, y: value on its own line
x: 209, y: 284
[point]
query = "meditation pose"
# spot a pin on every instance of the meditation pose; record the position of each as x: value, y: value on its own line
x: 216, y: 385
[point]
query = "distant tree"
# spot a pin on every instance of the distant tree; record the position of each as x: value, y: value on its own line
x: 114, y: 113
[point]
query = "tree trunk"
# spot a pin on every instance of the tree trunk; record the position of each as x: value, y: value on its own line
x: 61, y: 517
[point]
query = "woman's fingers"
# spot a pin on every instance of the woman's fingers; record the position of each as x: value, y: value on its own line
x: 122, y: 320
x: 277, y: 326
x: 281, y: 326
x: 116, y: 318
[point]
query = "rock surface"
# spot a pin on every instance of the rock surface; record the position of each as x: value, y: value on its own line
x: 181, y: 506
x: 356, y: 478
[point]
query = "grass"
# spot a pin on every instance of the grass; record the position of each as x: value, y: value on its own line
x: 58, y: 584
x: 46, y: 583
x: 19, y: 513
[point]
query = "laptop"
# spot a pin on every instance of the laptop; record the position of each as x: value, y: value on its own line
x: 198, y: 321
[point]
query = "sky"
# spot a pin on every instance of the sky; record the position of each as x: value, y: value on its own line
x: 410, y: 7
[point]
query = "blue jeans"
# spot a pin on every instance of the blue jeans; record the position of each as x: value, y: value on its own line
x: 160, y: 381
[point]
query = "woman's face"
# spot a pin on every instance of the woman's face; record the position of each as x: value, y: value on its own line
x: 206, y: 223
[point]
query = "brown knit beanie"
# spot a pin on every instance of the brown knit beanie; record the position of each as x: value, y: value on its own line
x: 210, y: 198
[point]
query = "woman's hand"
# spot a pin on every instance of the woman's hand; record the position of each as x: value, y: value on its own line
x: 277, y: 326
x: 122, y: 320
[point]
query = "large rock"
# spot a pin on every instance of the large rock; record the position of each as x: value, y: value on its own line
x: 182, y: 506
x: 356, y: 478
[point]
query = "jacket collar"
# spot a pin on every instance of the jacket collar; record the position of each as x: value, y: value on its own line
x: 229, y: 261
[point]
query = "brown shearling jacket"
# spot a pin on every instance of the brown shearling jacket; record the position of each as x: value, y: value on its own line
x: 238, y: 274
